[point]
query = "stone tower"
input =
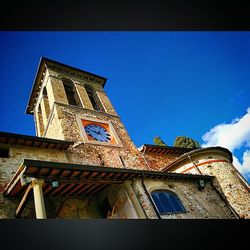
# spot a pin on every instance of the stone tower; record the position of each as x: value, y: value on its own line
x: 70, y: 104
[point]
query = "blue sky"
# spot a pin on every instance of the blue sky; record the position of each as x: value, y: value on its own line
x: 164, y: 84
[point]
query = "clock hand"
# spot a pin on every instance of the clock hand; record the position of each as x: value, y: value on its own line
x: 93, y: 131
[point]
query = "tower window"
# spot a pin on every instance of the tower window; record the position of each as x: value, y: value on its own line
x: 39, y: 108
x: 70, y: 92
x: 45, y: 92
x: 167, y: 202
x: 92, y: 97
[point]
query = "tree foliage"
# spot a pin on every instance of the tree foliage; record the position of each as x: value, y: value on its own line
x: 186, y: 142
x: 158, y: 141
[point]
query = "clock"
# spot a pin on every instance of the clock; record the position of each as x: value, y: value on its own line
x: 97, y: 132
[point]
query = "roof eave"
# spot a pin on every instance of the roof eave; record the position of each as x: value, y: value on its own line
x: 197, y: 151
x: 42, y: 62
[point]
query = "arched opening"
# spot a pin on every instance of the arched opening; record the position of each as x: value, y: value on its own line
x: 39, y: 121
x: 39, y: 108
x: 45, y: 92
x: 92, y: 97
x: 167, y: 202
x: 70, y: 92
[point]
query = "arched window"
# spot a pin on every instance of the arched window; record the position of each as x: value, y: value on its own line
x: 167, y: 202
x: 45, y: 92
x: 70, y: 92
x: 92, y: 97
x: 39, y: 108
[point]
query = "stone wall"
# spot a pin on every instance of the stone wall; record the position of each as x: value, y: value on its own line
x: 236, y: 191
x: 199, y: 204
x: 56, y: 207
x: 8, y: 166
x: 97, y: 154
x: 158, y: 161
x: 79, y: 208
x: 229, y: 181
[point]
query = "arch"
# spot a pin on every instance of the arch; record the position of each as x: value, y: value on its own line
x: 39, y: 108
x: 70, y: 91
x: 67, y: 81
x: 167, y: 201
x: 45, y: 92
x: 92, y: 97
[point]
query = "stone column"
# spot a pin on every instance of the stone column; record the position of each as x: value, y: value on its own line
x: 38, y: 198
x: 45, y: 109
x: 134, y: 200
x: 39, y: 123
x: 108, y: 107
x: 83, y: 96
x: 55, y: 91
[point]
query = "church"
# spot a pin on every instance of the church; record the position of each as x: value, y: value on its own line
x: 82, y: 163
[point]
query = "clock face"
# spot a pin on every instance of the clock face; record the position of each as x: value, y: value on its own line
x: 97, y: 132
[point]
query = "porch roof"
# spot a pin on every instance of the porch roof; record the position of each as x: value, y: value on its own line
x: 77, y: 179
x: 33, y: 141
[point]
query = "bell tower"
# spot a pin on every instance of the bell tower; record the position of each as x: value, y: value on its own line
x: 71, y: 104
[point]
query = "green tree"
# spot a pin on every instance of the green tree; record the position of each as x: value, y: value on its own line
x: 186, y: 142
x: 158, y: 141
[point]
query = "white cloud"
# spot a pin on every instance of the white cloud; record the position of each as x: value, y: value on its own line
x: 233, y: 136
x: 244, y: 168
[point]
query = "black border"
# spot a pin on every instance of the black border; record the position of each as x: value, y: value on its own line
x: 125, y: 15
x: 123, y: 234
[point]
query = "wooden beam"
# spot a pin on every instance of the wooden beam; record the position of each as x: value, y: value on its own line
x: 84, y: 188
x: 24, y: 201
x: 85, y: 174
x: 65, y: 180
x: 91, y: 188
x: 75, y: 189
x: 76, y: 174
x: 61, y: 186
x: 93, y: 174
x: 20, y: 170
x: 51, y: 145
x: 10, y: 188
x: 66, y: 173
x: 70, y: 186
x: 116, y: 176
x: 99, y: 188
x: 17, y: 189
x: 47, y: 189
x: 44, y: 172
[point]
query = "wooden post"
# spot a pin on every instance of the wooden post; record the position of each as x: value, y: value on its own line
x: 24, y: 201
x: 38, y: 198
